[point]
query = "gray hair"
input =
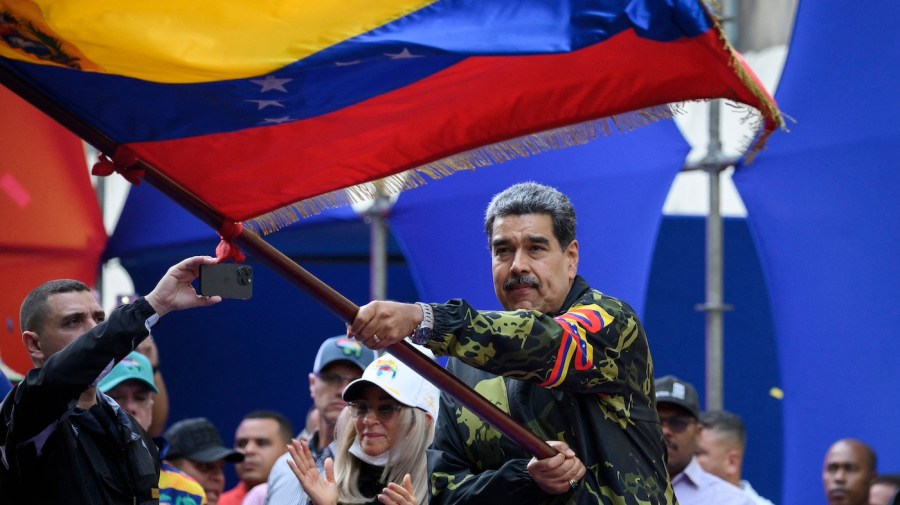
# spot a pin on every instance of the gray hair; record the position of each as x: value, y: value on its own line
x: 407, y: 456
x: 534, y: 198
x: 34, y: 311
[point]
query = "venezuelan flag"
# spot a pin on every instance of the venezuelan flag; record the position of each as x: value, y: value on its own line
x: 255, y: 105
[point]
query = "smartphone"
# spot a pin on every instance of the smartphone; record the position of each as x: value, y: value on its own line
x: 228, y: 280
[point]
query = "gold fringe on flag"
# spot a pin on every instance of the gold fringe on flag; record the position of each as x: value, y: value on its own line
x: 767, y: 118
x: 481, y: 157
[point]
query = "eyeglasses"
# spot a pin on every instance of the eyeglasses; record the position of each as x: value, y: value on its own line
x: 676, y: 423
x: 384, y: 412
x: 336, y: 379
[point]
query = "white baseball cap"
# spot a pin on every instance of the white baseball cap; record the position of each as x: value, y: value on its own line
x: 398, y: 380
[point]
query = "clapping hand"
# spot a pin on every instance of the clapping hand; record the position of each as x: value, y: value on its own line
x: 395, y: 494
x: 320, y: 491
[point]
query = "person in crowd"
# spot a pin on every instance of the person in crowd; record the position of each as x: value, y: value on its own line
x: 55, y: 422
x: 381, y: 441
x: 161, y: 397
x: 312, y: 423
x: 679, y: 408
x: 131, y: 383
x: 195, y: 448
x: 848, y: 471
x: 261, y: 437
x: 721, y: 444
x: 257, y: 495
x: 564, y: 359
x: 884, y: 489
x: 338, y: 362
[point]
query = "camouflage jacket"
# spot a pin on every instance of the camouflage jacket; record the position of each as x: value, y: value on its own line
x: 583, y: 376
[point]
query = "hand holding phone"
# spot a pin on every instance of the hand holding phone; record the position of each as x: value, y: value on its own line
x: 228, y: 280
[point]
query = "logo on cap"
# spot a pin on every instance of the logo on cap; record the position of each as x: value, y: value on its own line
x: 678, y: 390
x: 130, y: 363
x: 350, y: 347
x: 386, y: 366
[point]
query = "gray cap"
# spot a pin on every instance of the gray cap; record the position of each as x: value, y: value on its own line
x: 671, y: 389
x: 198, y: 439
x: 342, y: 348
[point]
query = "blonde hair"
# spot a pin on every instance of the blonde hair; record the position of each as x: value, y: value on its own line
x: 407, y: 456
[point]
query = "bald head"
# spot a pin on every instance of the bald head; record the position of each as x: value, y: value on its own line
x: 848, y: 471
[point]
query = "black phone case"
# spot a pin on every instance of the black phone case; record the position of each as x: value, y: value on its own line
x: 227, y: 280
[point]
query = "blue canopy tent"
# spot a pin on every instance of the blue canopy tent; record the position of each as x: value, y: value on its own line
x: 822, y: 203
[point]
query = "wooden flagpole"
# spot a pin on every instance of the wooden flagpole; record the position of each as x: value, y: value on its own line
x: 266, y: 254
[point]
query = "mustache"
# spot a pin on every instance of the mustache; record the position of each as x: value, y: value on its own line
x: 521, y: 281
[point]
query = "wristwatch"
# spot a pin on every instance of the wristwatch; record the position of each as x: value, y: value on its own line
x: 422, y: 334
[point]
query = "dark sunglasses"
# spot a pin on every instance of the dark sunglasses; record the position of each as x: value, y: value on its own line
x: 383, y: 412
x: 677, y: 424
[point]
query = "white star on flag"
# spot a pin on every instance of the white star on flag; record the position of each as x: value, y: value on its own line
x: 276, y: 120
x: 262, y: 104
x: 402, y: 55
x: 270, y: 83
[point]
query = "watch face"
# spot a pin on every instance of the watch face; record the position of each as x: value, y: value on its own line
x: 422, y: 336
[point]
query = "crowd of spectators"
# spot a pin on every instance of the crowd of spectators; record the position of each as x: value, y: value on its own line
x: 86, y: 424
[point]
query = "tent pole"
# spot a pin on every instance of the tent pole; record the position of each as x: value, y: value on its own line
x: 714, y: 163
x: 287, y: 268
x: 376, y: 216
x: 714, y: 282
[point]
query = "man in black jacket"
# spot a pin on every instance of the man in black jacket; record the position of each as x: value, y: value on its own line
x: 61, y: 441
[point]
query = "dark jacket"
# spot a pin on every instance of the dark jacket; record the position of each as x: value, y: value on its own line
x: 370, y: 483
x: 51, y: 451
x: 583, y: 376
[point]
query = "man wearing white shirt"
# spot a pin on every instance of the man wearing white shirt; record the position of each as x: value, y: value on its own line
x: 679, y: 408
x: 720, y: 449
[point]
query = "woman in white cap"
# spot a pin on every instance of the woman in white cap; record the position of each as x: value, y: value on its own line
x: 381, y: 440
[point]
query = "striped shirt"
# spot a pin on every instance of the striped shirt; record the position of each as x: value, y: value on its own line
x: 284, y: 488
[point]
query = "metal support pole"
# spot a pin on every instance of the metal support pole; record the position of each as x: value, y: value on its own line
x: 713, y: 164
x: 714, y: 281
x: 376, y: 216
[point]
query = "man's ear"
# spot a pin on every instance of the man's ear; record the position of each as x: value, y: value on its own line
x: 572, y: 256
x: 32, y: 344
x: 312, y: 385
x: 734, y: 458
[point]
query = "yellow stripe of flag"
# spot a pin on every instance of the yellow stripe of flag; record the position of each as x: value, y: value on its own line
x: 178, y: 41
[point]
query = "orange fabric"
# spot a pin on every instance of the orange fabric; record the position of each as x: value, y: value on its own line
x: 235, y: 495
x: 52, y: 226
